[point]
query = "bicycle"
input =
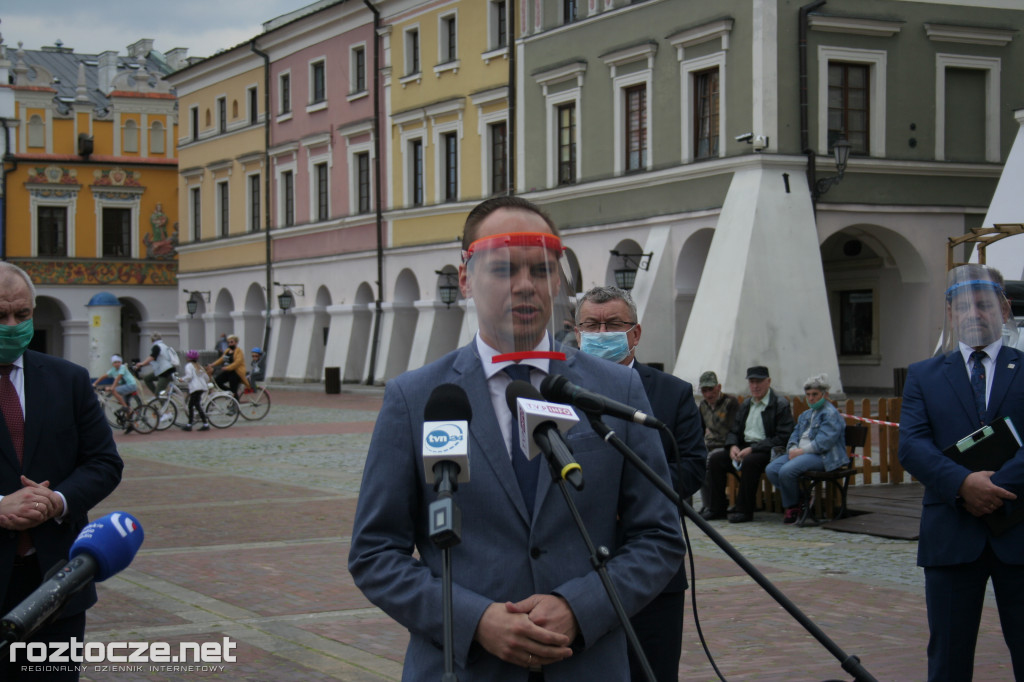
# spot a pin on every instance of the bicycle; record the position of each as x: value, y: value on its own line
x: 255, y: 403
x: 168, y: 405
x: 142, y: 419
x: 221, y: 408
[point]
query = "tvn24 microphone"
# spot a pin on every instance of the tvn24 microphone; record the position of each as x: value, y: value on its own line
x: 104, y: 547
x: 545, y: 422
x: 446, y: 431
x: 558, y: 389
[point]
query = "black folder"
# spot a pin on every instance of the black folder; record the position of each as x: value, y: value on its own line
x: 987, y: 449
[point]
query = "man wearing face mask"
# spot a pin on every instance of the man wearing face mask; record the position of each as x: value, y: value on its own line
x: 606, y: 326
x: 57, y: 461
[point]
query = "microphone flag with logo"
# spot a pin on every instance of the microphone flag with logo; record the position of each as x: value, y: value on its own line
x: 446, y: 420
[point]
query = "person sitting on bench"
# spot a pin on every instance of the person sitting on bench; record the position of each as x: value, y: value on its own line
x: 818, y: 443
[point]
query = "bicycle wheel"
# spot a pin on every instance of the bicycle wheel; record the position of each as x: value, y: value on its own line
x: 166, y: 411
x: 146, y: 419
x: 221, y: 411
x: 110, y: 408
x: 255, y: 405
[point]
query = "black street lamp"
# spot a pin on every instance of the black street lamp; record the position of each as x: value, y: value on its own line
x: 192, y: 302
x: 625, y: 277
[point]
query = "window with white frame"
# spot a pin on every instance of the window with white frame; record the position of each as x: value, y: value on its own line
x: 562, y: 88
x: 363, y: 182
x: 706, y: 113
x: 156, y: 138
x: 52, y: 231
x: 357, y: 62
x: 223, y: 209
x: 450, y: 166
x: 635, y: 132
x: 284, y: 93
x: 253, y: 100
x: 565, y: 145
x: 415, y: 173
x: 447, y: 39
x: 321, y: 191
x: 255, y: 192
x: 957, y: 75
x: 131, y: 137
x: 317, y: 82
x: 194, y: 119
x: 287, y: 200
x: 497, y: 159
x: 36, y: 131
x: 412, y: 51
x: 851, y: 99
x: 497, y: 20
x: 196, y: 212
x: 222, y: 115
x: 116, y: 232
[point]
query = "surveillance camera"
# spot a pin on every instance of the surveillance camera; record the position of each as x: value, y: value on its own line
x: 745, y: 137
x: 760, y: 142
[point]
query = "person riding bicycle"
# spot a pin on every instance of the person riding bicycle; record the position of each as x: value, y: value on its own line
x: 256, y: 367
x: 124, y: 384
x: 197, y: 380
x: 233, y: 371
x: 165, y: 364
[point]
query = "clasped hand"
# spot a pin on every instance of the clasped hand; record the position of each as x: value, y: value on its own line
x: 32, y: 504
x: 534, y: 632
x: 980, y: 495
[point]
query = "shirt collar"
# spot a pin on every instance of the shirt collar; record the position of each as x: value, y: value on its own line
x: 763, y: 401
x: 491, y: 368
x: 992, y: 350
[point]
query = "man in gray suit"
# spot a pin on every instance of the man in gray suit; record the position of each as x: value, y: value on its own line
x: 527, y: 603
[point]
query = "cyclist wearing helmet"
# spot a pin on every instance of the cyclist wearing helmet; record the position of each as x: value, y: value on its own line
x: 256, y: 368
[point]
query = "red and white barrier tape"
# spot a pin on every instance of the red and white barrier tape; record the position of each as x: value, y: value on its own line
x: 869, y: 421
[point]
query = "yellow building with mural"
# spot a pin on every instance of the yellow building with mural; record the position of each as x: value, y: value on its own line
x: 91, y: 197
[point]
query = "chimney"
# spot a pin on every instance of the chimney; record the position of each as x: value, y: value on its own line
x: 107, y: 70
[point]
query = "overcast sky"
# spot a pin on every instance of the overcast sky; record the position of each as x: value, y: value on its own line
x: 93, y: 26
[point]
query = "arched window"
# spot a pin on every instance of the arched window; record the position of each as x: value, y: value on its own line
x: 131, y: 136
x: 156, y: 138
x: 36, y: 132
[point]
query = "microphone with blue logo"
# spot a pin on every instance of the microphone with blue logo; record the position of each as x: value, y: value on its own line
x: 446, y: 458
x: 104, y: 547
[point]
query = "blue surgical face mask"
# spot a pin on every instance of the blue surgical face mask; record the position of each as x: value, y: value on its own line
x: 14, y: 339
x: 612, y: 346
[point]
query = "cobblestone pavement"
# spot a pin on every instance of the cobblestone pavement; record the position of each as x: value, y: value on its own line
x: 247, y: 533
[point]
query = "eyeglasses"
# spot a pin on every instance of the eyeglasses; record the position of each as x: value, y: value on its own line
x: 609, y: 325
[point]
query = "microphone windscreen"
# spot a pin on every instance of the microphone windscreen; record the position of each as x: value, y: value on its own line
x: 448, y: 402
x: 520, y: 389
x: 553, y: 387
x: 112, y: 540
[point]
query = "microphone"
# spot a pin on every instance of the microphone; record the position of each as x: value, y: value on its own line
x: 557, y: 388
x: 446, y: 431
x: 545, y: 422
x: 104, y: 547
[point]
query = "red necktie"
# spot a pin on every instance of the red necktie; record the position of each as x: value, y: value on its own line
x: 11, y: 406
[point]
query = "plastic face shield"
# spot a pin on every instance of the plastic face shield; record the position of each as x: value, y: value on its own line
x: 977, y: 312
x: 520, y: 287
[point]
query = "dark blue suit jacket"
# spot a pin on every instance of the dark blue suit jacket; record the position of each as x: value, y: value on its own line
x: 938, y: 410
x: 506, y: 553
x: 672, y: 401
x: 67, y: 442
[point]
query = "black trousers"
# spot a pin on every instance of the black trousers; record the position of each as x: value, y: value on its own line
x: 719, y: 466
x: 25, y: 578
x: 195, y: 400
x: 659, y: 627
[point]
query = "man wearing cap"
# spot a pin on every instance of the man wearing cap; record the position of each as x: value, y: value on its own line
x: 764, y: 422
x: 527, y: 604
x: 607, y: 326
x: 718, y: 412
x: 977, y: 381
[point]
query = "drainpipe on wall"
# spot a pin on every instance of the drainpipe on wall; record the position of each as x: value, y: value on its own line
x: 377, y: 308
x: 805, y: 141
x: 8, y: 156
x: 511, y: 39
x: 266, y: 190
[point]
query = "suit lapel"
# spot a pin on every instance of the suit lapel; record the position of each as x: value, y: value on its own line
x: 484, y: 426
x: 36, y: 391
x: 956, y: 375
x: 1006, y: 371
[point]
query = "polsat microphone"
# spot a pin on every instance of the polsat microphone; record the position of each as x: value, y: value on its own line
x: 446, y: 433
x: 104, y: 547
x: 545, y: 422
x: 558, y: 389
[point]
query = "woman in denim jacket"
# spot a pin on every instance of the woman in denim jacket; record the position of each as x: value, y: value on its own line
x: 818, y: 443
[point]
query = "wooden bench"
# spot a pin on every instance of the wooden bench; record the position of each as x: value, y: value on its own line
x: 836, y: 483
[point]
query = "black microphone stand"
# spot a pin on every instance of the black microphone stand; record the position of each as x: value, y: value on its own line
x: 446, y: 532
x: 599, y: 558
x: 850, y: 664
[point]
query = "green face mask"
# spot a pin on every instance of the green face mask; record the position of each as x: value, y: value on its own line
x: 818, y: 405
x: 14, y: 339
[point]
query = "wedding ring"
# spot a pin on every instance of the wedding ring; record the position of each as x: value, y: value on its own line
x: 529, y: 661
